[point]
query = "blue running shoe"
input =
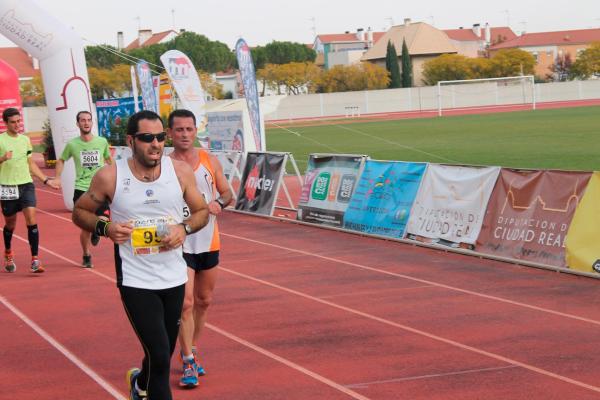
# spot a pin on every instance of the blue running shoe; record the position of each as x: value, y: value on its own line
x: 201, y: 371
x: 189, y: 378
x: 134, y: 394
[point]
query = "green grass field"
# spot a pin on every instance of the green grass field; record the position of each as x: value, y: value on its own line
x: 567, y: 138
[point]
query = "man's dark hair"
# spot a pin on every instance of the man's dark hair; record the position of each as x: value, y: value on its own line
x: 181, y: 114
x: 82, y: 112
x: 9, y: 112
x: 133, y: 123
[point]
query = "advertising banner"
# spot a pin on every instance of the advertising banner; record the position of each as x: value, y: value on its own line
x: 164, y: 94
x: 145, y: 78
x: 186, y: 83
x: 113, y: 115
x: 451, y: 203
x: 9, y: 92
x: 582, y: 245
x: 260, y: 182
x: 328, y: 185
x: 383, y: 198
x: 529, y: 214
x: 248, y: 77
x: 225, y: 130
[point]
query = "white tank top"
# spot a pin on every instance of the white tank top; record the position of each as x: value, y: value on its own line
x: 142, y: 262
x: 206, y: 239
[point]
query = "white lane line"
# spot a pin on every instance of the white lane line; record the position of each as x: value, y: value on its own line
x: 365, y: 385
x: 64, y: 351
x: 420, y: 332
x: 231, y: 336
x: 423, y: 281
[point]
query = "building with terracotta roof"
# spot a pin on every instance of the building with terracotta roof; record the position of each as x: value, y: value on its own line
x: 344, y: 48
x: 27, y: 67
x: 546, y: 47
x: 424, y: 43
x: 146, y: 38
x: 474, y: 42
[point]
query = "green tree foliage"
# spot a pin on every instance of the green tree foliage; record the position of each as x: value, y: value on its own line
x: 102, y: 56
x: 447, y: 67
x: 32, y: 92
x: 109, y: 83
x: 391, y: 65
x: 287, y: 52
x: 512, y: 62
x: 293, y: 76
x: 407, y: 72
x: 587, y: 63
x: 344, y: 78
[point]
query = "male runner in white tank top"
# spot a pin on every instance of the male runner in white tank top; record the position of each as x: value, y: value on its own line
x: 147, y: 193
x: 200, y: 250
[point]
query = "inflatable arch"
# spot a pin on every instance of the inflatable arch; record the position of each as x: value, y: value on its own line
x: 63, y: 67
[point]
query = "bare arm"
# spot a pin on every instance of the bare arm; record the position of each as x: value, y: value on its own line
x: 60, y: 165
x: 225, y: 194
x: 37, y: 172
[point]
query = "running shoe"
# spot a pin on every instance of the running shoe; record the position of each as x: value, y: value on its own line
x: 189, y: 378
x: 87, y: 262
x: 36, y: 265
x: 95, y: 239
x: 9, y: 262
x: 131, y: 377
x: 199, y: 368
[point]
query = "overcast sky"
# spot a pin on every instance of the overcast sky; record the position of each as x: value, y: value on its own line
x: 261, y: 21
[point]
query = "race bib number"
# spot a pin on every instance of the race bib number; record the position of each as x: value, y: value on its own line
x: 145, y: 239
x: 90, y: 158
x: 9, y: 192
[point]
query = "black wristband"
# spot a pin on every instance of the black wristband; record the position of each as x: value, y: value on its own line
x: 101, y: 227
x: 220, y: 202
x: 46, y: 180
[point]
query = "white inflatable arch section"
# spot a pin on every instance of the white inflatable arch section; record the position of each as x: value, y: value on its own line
x: 64, y: 72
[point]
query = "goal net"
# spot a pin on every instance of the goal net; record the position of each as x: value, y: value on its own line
x: 484, y: 93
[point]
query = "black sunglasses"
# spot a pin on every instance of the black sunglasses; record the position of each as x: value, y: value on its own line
x: 149, y: 137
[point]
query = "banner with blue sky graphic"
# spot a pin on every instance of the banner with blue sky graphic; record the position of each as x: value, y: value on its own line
x: 248, y: 76
x: 145, y: 79
x: 384, y: 197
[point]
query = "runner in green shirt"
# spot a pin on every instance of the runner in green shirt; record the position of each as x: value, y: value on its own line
x: 17, y: 192
x: 89, y: 153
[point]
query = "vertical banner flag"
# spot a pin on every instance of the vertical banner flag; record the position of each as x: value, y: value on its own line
x: 248, y: 76
x: 187, y: 85
x: 134, y: 90
x: 328, y: 185
x: 262, y: 176
x: 529, y: 214
x: 9, y: 92
x: 165, y: 95
x: 384, y: 197
x: 582, y: 246
x: 145, y: 78
x: 451, y: 203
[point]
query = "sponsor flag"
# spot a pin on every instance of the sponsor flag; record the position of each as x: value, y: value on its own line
x: 329, y: 183
x: 145, y: 78
x: 134, y: 90
x: 260, y: 182
x: 383, y: 198
x: 187, y: 84
x: 248, y: 77
x: 582, y: 245
x: 529, y: 214
x: 451, y: 203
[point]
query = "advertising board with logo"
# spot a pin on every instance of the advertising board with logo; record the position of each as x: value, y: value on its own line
x: 225, y: 130
x: 260, y: 182
x: 113, y: 115
x: 384, y: 197
x: 529, y: 214
x: 451, y: 203
x: 329, y: 183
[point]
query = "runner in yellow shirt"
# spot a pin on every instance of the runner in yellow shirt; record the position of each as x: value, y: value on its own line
x: 17, y: 192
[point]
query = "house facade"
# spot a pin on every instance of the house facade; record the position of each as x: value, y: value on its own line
x: 475, y: 41
x: 344, y: 48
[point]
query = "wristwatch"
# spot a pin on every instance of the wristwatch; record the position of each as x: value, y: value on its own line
x: 220, y: 202
x: 188, y: 229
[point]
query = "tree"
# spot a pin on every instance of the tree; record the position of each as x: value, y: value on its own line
x: 102, y: 56
x: 211, y: 86
x: 587, y: 63
x: 447, y: 67
x: 391, y: 64
x: 293, y: 76
x: 32, y: 92
x: 287, y: 52
x: 512, y: 62
x: 561, y: 69
x: 109, y: 82
x: 407, y: 73
x: 344, y: 78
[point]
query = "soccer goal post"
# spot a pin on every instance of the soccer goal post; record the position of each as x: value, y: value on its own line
x: 486, y: 92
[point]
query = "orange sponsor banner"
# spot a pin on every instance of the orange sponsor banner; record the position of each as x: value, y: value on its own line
x: 529, y: 214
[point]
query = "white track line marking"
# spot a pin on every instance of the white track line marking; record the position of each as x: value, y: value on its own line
x: 420, y: 332
x: 426, y: 282
x: 365, y: 385
x: 243, y: 342
x: 64, y: 351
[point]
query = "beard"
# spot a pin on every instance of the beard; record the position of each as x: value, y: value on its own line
x: 142, y: 160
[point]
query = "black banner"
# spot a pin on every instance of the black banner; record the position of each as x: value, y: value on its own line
x: 260, y: 182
